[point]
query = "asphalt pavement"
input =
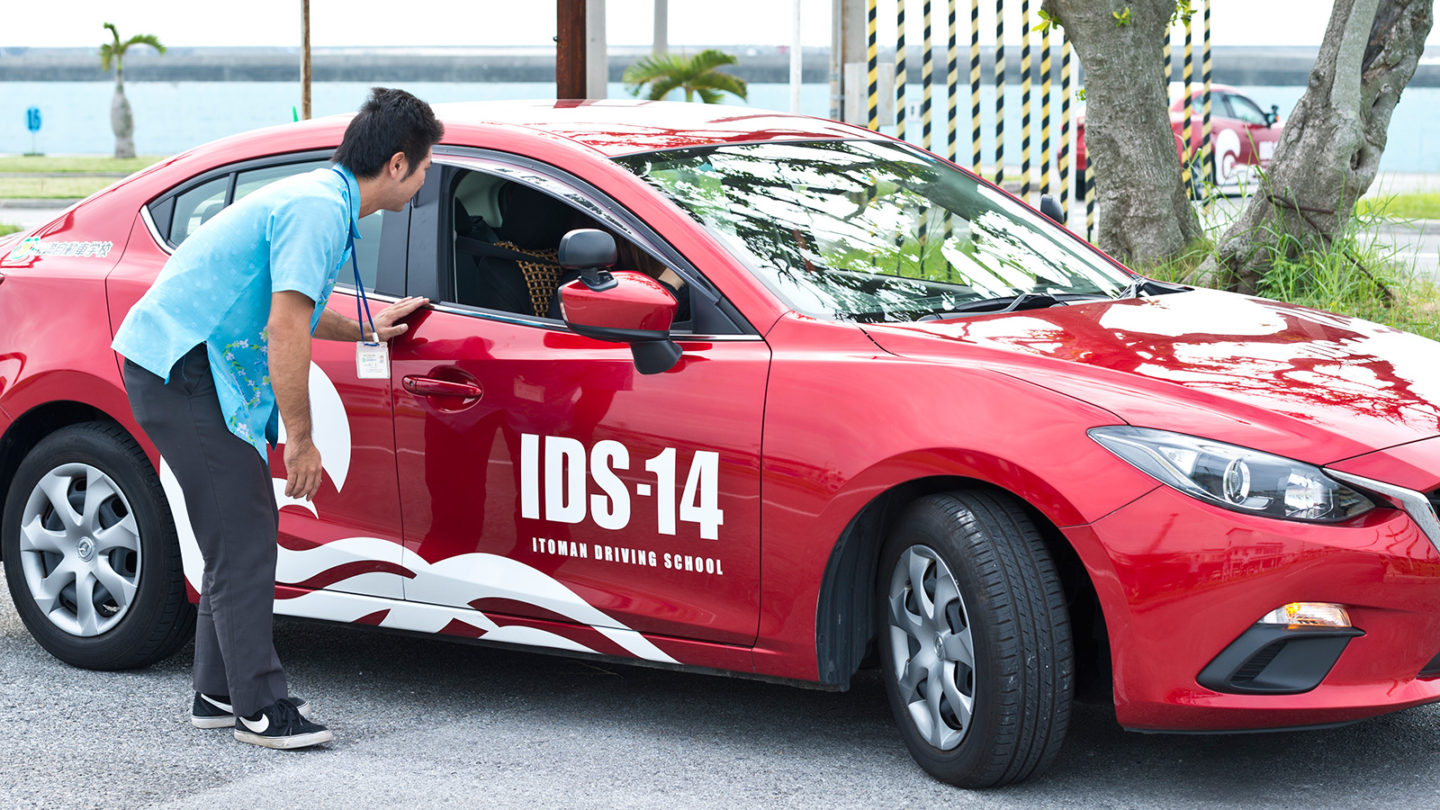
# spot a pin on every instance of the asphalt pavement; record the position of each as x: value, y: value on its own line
x: 428, y: 723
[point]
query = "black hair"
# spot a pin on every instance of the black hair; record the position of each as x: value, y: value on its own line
x: 389, y: 121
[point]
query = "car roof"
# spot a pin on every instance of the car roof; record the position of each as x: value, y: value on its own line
x: 622, y: 127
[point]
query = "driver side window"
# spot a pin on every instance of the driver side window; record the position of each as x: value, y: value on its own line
x: 506, y: 236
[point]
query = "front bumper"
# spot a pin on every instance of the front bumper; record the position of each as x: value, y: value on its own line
x: 1180, y: 582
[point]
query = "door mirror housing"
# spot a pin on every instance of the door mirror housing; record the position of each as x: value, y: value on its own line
x: 1050, y: 207
x: 628, y: 308
x: 1272, y: 116
x: 590, y: 251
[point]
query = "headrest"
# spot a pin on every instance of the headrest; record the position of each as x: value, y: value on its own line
x: 531, y: 218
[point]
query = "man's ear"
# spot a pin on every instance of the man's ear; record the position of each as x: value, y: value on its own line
x: 398, y: 166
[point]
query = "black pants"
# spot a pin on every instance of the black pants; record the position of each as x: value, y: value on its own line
x: 231, y: 504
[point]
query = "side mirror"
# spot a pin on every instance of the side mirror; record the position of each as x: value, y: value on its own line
x: 592, y: 252
x: 632, y: 308
x: 1272, y: 116
x: 1050, y: 207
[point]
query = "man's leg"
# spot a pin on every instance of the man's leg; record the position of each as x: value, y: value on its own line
x: 231, y: 504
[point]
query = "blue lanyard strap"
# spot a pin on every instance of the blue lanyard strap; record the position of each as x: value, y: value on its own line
x: 362, y: 305
x: 361, y: 302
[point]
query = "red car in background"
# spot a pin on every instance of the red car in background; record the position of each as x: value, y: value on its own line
x: 900, y: 420
x: 1242, y: 136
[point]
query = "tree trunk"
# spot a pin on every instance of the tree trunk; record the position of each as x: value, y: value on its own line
x: 1330, y: 148
x: 1145, y: 215
x: 120, y: 118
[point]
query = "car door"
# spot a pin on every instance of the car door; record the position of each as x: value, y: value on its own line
x: 545, y: 483
x: 347, y: 539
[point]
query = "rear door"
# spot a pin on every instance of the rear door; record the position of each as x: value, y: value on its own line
x: 348, y: 538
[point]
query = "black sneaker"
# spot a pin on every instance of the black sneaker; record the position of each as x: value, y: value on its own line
x: 280, y: 725
x: 214, y: 711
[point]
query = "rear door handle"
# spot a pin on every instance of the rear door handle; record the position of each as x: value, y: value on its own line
x: 431, y: 387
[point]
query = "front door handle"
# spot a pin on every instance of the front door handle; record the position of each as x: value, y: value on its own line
x: 431, y: 387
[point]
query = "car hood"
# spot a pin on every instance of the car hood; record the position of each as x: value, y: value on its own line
x: 1306, y: 384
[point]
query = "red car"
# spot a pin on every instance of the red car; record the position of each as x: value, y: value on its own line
x: 1242, y: 136
x: 898, y: 419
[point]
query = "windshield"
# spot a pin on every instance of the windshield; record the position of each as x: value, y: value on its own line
x: 876, y: 232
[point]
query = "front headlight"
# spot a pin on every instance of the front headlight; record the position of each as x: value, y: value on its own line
x: 1235, y: 477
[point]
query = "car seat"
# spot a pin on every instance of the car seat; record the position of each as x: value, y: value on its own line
x: 524, y: 247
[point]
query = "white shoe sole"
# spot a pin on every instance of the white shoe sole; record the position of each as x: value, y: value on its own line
x: 286, y: 743
x: 228, y: 720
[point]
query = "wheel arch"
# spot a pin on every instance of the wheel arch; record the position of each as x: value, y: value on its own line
x: 31, y: 427
x: 845, y: 624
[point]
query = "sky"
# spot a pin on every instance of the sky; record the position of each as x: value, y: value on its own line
x: 353, y: 23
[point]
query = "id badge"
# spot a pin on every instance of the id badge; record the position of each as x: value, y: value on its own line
x: 372, y: 360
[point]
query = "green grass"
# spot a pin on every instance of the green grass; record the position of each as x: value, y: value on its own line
x: 1402, y: 206
x: 23, y: 188
x: 75, y: 163
x: 8, y: 229
x: 1349, y: 278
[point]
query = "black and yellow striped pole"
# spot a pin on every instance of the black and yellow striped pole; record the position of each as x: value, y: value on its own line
x: 1089, y: 182
x: 975, y: 86
x: 1047, y: 123
x: 1062, y: 158
x: 872, y: 66
x: 900, y: 72
x: 999, y: 92
x: 1207, y: 152
x: 927, y: 79
x: 1165, y: 53
x: 952, y: 87
x: 1025, y: 98
x: 1188, y: 73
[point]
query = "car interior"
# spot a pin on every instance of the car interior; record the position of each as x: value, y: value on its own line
x: 506, y: 239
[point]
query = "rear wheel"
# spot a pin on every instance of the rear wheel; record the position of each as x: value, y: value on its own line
x: 974, y: 639
x: 90, y: 552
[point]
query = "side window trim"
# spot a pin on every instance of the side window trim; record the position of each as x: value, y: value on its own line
x: 474, y: 159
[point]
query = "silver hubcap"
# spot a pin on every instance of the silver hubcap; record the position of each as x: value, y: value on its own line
x: 932, y: 656
x: 80, y: 549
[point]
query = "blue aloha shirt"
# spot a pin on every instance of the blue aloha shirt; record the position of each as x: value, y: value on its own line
x: 216, y: 289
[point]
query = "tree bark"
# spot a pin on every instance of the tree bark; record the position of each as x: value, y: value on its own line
x: 1145, y: 215
x: 121, y: 120
x: 1330, y: 148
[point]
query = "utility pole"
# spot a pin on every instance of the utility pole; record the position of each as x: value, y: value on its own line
x: 569, y: 49
x: 305, y: 60
x: 597, y: 56
x: 847, y: 61
x: 661, y: 45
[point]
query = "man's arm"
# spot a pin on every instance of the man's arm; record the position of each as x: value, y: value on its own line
x: 289, y: 351
x: 334, y: 326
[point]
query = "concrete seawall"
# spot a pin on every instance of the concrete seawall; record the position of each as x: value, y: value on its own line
x: 1232, y: 65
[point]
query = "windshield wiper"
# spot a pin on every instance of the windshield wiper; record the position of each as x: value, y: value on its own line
x: 1002, y: 303
x: 1149, y: 286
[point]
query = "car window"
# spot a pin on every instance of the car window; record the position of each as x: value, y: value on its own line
x: 874, y: 232
x: 506, y: 232
x: 196, y: 206
x: 1245, y: 110
x: 255, y: 179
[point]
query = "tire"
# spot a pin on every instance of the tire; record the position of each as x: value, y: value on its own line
x: 97, y: 581
x: 979, y: 683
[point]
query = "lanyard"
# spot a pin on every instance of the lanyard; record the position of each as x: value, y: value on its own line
x: 361, y: 303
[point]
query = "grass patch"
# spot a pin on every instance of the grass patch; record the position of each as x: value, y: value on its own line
x: 75, y: 163
x: 12, y: 188
x: 8, y: 229
x: 1402, y: 206
x: 1345, y: 279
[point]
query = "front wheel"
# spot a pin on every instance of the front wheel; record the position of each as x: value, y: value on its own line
x: 974, y: 639
x: 90, y: 551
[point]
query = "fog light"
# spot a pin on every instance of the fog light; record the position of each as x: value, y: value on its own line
x: 1308, y: 614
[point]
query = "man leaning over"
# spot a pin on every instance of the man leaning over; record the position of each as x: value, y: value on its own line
x: 216, y: 346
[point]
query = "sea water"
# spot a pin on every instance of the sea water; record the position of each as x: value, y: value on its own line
x: 171, y: 117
